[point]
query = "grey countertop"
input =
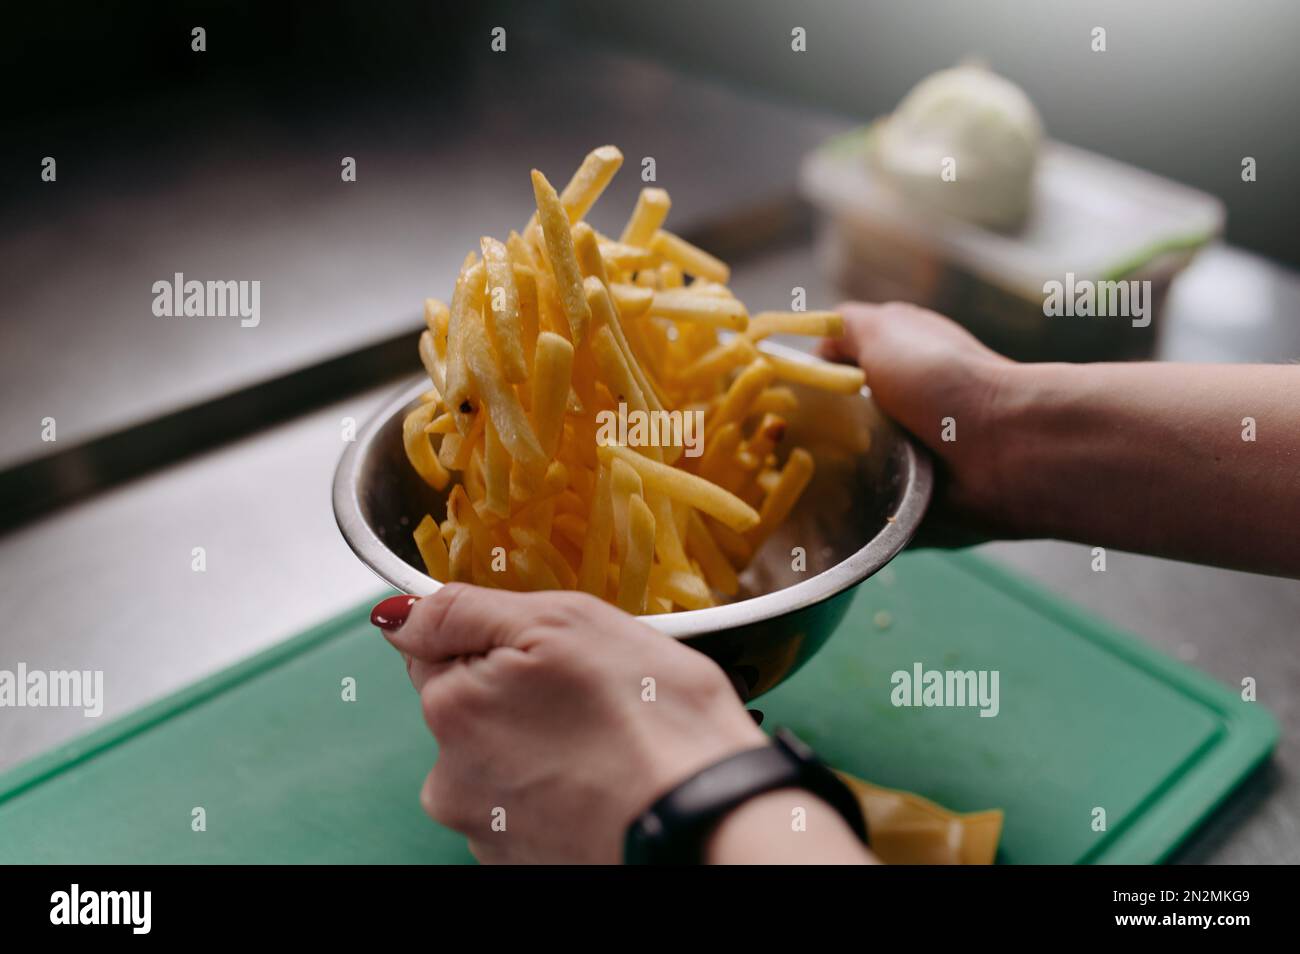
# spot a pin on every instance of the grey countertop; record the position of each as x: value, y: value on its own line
x: 106, y: 582
x: 341, y: 265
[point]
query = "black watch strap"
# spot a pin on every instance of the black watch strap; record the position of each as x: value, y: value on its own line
x: 673, y: 830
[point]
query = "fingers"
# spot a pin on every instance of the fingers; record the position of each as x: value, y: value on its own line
x: 864, y: 324
x: 460, y: 620
x: 845, y: 347
x: 840, y: 349
x: 420, y: 671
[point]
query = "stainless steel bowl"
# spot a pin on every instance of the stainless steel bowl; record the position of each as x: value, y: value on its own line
x: 866, y: 499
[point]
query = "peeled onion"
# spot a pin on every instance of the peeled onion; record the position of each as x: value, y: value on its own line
x: 978, y: 127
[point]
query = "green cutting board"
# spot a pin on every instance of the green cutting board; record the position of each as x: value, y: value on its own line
x: 286, y: 771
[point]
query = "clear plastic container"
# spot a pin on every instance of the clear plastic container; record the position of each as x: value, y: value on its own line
x: 1092, y: 217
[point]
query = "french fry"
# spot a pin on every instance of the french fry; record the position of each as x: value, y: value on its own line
x: 582, y: 480
x: 468, y: 444
x: 600, y: 530
x: 529, y: 316
x: 564, y: 263
x: 474, y: 482
x: 679, y: 304
x: 671, y: 276
x: 739, y: 398
x: 604, y: 314
x: 521, y: 256
x: 697, y: 338
x: 552, y: 374
x: 538, y: 516
x: 718, y: 571
x: 585, y: 378
x: 691, y: 260
x: 616, y: 373
x: 632, y: 301
x: 502, y: 316
x: 625, y: 483
x: 569, y: 502
x: 719, y: 450
x: 532, y: 571
x: 550, y: 314
x: 682, y: 587
x: 442, y: 424
x: 769, y: 433
x: 428, y: 540
x: 573, y: 529
x: 719, y: 360
x: 499, y: 396
x: 688, y: 488
x: 533, y: 541
x: 449, y: 451
x: 652, y: 207
x: 418, y: 449
x: 825, y: 324
x: 627, y: 258
x: 436, y: 319
x: 591, y: 179
x: 638, y: 556
x: 460, y: 556
x: 466, y: 304
x: 702, y: 286
x: 731, y: 542
x: 462, y: 510
x: 587, y: 251
x: 668, y: 544
x: 840, y: 378
x: 556, y: 479
x: 775, y: 400
x: 433, y: 364
x: 496, y: 472
x: 795, y: 475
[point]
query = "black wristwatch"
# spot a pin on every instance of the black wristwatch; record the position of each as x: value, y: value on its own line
x: 673, y: 830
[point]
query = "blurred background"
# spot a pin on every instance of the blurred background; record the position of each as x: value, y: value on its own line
x: 174, y: 434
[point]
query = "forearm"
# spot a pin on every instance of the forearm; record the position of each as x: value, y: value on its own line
x: 1151, y: 458
x: 788, y: 826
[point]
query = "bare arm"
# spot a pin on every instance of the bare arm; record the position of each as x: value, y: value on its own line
x: 763, y: 831
x: 1194, y: 462
x: 1145, y: 456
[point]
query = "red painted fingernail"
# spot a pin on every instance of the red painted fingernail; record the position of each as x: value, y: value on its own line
x: 391, y: 613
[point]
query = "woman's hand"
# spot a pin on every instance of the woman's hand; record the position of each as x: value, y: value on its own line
x: 539, y: 703
x: 1192, y: 462
x: 933, y: 377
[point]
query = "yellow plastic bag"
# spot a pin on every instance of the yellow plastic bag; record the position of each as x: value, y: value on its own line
x: 906, y: 829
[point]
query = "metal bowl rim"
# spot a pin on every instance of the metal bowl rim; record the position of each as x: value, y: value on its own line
x: 848, y: 573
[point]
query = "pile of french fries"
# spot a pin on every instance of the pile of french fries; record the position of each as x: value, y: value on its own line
x: 559, y: 323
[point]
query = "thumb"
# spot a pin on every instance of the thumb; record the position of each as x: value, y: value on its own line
x: 862, y: 340
x: 460, y: 620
